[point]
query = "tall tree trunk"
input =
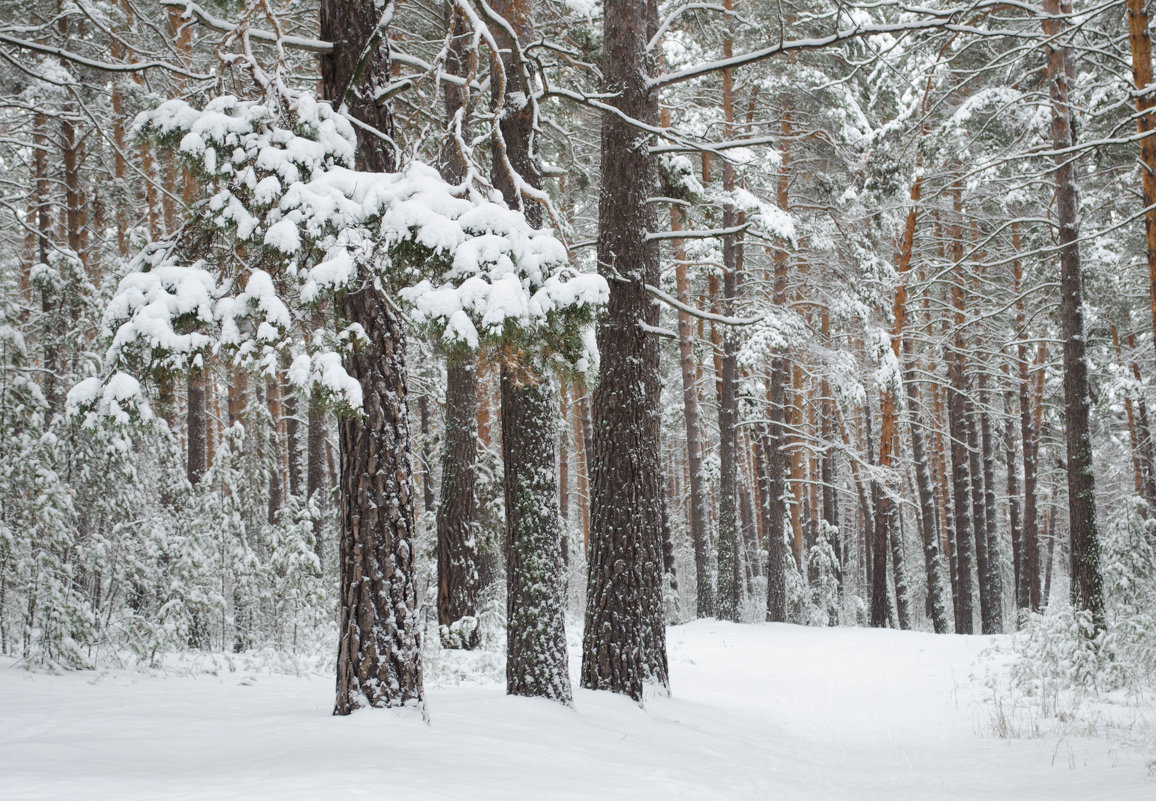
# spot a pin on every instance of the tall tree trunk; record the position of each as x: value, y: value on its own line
x: 888, y: 429
x: 992, y: 577
x: 699, y: 513
x: 536, y: 659
x: 624, y: 645
x: 1143, y: 430
x: 774, y: 501
x: 1015, y: 524
x: 1140, y: 44
x: 379, y: 636
x: 957, y: 431
x: 457, y: 556
x: 457, y: 512
x: 775, y: 439
x: 1087, y: 583
x: 932, y: 560
x: 730, y: 595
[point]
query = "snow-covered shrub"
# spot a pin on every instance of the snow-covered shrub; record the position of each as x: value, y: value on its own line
x: 1062, y: 652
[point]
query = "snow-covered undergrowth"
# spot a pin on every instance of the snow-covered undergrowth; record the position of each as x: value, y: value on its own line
x: 1062, y: 676
x: 756, y: 712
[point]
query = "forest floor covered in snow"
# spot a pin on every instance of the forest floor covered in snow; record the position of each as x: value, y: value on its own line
x: 757, y: 712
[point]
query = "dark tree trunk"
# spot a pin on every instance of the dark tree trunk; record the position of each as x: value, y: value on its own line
x: 1015, y: 523
x: 379, y: 656
x: 624, y: 645
x: 774, y: 501
x: 1087, y: 582
x: 429, y: 502
x: 936, y: 602
x: 457, y: 514
x: 730, y: 594
x: 957, y: 431
x: 379, y: 651
x: 195, y: 467
x: 457, y: 553
x: 992, y: 577
x: 1028, y: 588
x: 315, y: 488
x: 276, y: 476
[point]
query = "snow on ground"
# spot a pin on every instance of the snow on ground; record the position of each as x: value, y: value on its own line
x: 758, y: 712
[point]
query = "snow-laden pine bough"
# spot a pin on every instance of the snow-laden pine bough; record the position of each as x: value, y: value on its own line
x: 285, y: 230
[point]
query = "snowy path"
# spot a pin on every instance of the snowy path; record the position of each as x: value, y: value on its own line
x: 759, y: 712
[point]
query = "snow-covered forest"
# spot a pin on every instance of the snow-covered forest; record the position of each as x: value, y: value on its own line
x: 448, y: 347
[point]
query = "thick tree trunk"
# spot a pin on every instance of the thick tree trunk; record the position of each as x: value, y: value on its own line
x: 1087, y: 583
x: 624, y: 645
x: 730, y: 595
x: 379, y: 651
x: 457, y: 513
x: 379, y: 656
x: 536, y: 659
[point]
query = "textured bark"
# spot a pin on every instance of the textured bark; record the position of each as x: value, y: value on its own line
x: 1087, y: 582
x: 457, y: 553
x: 379, y: 636
x: 624, y: 645
x: 536, y: 659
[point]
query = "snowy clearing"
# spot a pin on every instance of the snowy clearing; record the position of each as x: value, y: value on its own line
x: 766, y: 712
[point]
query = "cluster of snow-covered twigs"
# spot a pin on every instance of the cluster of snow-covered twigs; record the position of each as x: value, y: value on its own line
x: 286, y: 222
